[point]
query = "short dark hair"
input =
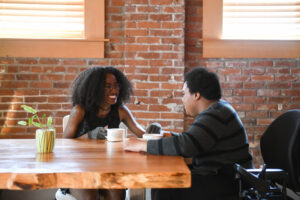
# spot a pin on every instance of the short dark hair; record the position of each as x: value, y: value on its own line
x: 205, y: 82
x: 88, y: 89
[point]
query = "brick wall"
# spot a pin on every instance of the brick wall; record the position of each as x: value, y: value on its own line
x: 146, y: 42
x: 154, y: 42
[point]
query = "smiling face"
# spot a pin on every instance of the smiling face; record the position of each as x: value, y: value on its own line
x: 112, y: 90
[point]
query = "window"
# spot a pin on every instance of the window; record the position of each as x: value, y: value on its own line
x: 52, y: 28
x: 235, y: 29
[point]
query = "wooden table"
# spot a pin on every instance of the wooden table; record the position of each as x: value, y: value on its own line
x: 77, y: 163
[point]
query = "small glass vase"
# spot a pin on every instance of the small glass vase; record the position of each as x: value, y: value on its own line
x: 45, y: 140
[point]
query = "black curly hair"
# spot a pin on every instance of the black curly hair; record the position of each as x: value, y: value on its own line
x: 205, y: 82
x: 88, y: 90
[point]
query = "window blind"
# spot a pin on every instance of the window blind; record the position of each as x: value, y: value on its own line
x: 261, y: 19
x: 42, y: 19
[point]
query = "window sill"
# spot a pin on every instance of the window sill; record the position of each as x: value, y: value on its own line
x: 52, y: 48
x: 216, y: 48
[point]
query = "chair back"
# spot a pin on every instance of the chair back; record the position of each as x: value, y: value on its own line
x: 65, y: 121
x: 280, y: 146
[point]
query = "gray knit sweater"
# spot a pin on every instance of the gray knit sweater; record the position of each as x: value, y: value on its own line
x: 216, y: 138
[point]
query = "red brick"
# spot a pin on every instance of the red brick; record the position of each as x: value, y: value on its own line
x: 130, y: 24
x: 160, y: 63
x: 254, y: 99
x: 286, y: 77
x: 148, y: 24
x: 55, y: 99
x: 289, y: 93
x: 55, y: 91
x: 26, y: 61
x: 254, y: 71
x: 161, y: 33
x: 233, y: 78
x: 74, y: 62
x: 52, y: 61
x: 40, y: 84
x: 148, y: 40
x: 278, y: 85
x: 4, y: 60
x: 172, y: 40
x: 254, y: 84
x: 233, y: 99
x: 14, y: 84
x: 261, y: 63
x: 172, y: 115
x: 243, y: 107
x: 147, y: 9
x: 286, y: 63
x: 61, y: 84
x: 283, y: 100
x: 230, y: 71
x: 149, y: 55
x: 161, y: 17
x: 244, y: 92
x: 148, y: 100
x: 172, y: 56
x: 36, y: 99
x: 266, y: 107
x: 173, y: 9
x: 118, y: 2
x: 136, y: 17
x: 160, y: 48
x: 160, y: 78
x: 268, y: 92
x: 161, y: 2
x: 137, y: 1
x: 262, y: 77
x: 161, y: 93
x: 147, y: 70
x: 148, y: 115
x: 146, y: 85
x: 7, y: 77
x: 171, y: 100
x: 13, y: 99
x: 172, y: 25
x: 159, y: 108
x: 264, y: 121
x: 171, y: 86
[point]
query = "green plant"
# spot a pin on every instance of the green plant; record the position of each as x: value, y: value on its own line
x: 35, y: 120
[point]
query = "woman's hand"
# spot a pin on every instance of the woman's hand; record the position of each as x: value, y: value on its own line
x: 136, y: 145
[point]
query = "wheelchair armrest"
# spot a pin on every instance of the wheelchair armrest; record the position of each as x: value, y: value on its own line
x: 271, y: 173
x: 259, y: 184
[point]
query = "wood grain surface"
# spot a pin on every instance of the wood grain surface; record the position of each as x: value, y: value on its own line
x: 77, y: 163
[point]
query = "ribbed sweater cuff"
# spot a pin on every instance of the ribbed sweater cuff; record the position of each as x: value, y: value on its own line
x: 152, y: 146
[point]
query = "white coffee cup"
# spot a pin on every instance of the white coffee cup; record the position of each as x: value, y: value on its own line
x: 152, y: 136
x: 115, y: 134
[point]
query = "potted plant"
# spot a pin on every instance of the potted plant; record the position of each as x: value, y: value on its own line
x: 45, y: 134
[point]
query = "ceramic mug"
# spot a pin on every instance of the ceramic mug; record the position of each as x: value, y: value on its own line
x: 115, y: 134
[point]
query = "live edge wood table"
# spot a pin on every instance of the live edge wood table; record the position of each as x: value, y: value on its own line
x: 77, y: 163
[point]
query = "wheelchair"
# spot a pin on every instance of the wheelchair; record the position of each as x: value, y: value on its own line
x: 279, y: 178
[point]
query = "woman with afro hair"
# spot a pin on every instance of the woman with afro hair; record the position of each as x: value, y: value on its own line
x: 99, y: 95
